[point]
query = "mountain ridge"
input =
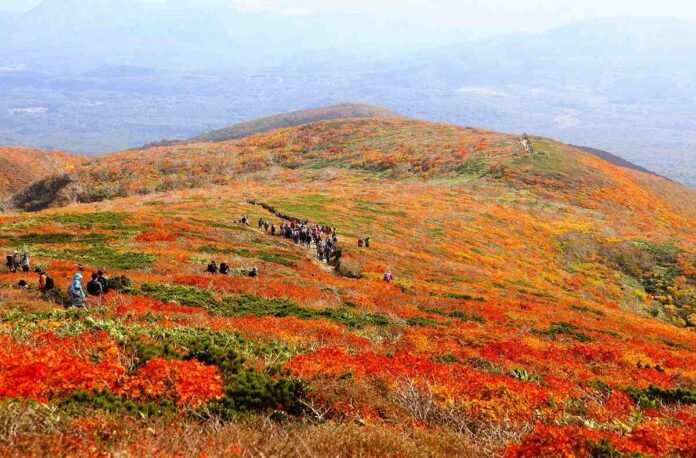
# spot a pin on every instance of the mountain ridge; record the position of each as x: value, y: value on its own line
x: 369, y: 148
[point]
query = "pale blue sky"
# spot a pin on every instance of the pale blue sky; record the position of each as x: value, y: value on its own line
x: 480, y: 16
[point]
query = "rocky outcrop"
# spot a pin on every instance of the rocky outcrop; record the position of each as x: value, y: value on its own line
x: 52, y: 192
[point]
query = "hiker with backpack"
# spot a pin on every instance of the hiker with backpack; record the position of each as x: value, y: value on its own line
x: 25, y: 262
x: 94, y: 287
x: 10, y: 263
x: 76, y: 295
x: 101, y: 278
x: 46, y: 283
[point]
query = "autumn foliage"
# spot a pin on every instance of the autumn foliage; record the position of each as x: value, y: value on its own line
x: 542, y: 304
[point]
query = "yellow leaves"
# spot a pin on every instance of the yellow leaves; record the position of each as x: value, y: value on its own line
x: 636, y: 358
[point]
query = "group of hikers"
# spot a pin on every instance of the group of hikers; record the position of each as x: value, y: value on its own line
x: 96, y: 287
x: 76, y: 294
x: 224, y: 269
x: 324, y: 238
x: 16, y: 262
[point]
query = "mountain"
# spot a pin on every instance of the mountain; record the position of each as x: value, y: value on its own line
x: 101, y: 88
x: 176, y: 34
x: 615, y: 84
x: 295, y: 118
x: 542, y: 301
x: 20, y: 167
x: 284, y: 120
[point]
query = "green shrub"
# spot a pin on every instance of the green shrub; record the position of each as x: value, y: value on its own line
x: 421, y: 321
x: 109, y: 402
x: 250, y: 391
x: 592, y: 311
x: 563, y: 328
x: 464, y: 297
x: 185, y: 295
x: 460, y: 315
x: 655, y: 395
x: 246, y: 304
x: 59, y: 237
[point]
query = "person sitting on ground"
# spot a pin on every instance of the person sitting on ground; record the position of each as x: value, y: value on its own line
x: 254, y: 272
x: 75, y: 293
x: 101, y: 278
x: 25, y: 262
x: 388, y: 276
x: 361, y: 243
x: 23, y: 284
x: 212, y: 268
x: 94, y: 287
x: 224, y: 268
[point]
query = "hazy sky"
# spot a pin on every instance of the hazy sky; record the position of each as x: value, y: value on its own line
x: 480, y: 16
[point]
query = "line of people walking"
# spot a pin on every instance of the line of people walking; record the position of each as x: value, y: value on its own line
x: 323, y: 237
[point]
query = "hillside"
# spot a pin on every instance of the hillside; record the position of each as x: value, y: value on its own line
x: 293, y: 119
x: 613, y: 158
x: 543, y: 302
x: 20, y: 167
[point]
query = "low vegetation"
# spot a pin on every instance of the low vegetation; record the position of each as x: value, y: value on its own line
x: 540, y: 305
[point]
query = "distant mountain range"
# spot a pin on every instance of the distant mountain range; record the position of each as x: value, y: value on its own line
x: 624, y: 85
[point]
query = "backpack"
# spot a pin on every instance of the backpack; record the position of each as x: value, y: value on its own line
x: 72, y: 291
x: 50, y: 284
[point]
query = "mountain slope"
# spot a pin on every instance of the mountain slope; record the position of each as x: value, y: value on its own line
x: 295, y: 118
x: 613, y: 158
x: 543, y: 301
x: 368, y: 149
x: 20, y: 167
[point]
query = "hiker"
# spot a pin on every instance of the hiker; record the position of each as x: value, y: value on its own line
x: 75, y: 293
x: 260, y: 223
x: 361, y: 243
x: 212, y: 268
x: 46, y: 283
x: 224, y: 268
x: 254, y: 272
x: 25, y: 262
x: 94, y: 287
x: 273, y: 229
x: 388, y: 276
x: 101, y: 278
x: 10, y: 263
x: 367, y: 242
